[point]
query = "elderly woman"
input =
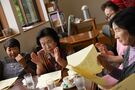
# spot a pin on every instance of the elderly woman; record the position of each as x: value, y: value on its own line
x: 123, y: 25
x: 51, y: 57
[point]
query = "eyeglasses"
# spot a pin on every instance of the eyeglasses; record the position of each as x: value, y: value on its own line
x: 109, y: 17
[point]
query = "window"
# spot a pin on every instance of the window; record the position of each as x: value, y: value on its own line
x: 27, y: 12
x: 3, y: 21
x: 1, y: 27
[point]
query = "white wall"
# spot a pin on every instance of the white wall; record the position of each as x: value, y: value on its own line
x: 27, y: 40
x: 74, y: 7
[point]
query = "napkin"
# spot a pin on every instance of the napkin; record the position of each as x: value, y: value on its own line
x: 5, y: 84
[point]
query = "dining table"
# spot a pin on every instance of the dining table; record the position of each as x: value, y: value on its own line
x: 18, y: 85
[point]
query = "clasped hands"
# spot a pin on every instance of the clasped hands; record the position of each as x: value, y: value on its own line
x: 37, y: 58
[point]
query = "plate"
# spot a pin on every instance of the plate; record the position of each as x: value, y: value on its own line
x: 67, y: 87
x: 68, y: 82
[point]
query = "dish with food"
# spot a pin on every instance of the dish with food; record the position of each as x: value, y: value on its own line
x: 68, y: 82
x: 65, y: 86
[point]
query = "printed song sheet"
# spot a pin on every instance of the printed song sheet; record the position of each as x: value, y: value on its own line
x: 85, y: 63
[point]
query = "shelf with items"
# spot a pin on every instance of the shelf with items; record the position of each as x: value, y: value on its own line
x: 56, y: 17
x: 51, y: 6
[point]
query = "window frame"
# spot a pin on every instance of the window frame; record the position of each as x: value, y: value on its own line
x: 3, y: 20
x: 26, y: 22
x: 17, y: 28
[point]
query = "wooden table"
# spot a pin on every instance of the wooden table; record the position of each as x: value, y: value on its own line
x: 18, y: 85
x: 81, y: 39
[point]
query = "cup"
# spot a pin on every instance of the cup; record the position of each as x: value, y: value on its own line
x: 79, y: 82
x: 29, y: 81
x: 50, y: 84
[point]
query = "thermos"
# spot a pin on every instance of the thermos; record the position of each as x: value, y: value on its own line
x: 86, y: 12
x: 71, y: 19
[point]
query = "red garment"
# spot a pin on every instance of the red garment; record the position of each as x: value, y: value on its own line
x: 49, y: 62
x: 129, y: 3
x: 120, y: 3
x: 124, y: 3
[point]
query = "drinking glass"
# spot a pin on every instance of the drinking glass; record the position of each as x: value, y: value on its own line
x: 79, y: 82
x: 29, y: 81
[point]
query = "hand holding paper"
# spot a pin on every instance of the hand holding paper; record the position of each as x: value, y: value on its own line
x: 85, y: 63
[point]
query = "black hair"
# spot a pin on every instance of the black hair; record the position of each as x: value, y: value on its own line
x: 11, y: 42
x: 48, y: 32
x: 111, y: 5
x: 125, y: 19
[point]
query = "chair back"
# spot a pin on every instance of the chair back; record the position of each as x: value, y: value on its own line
x: 107, y: 31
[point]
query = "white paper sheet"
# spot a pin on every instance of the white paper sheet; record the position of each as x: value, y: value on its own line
x: 85, y: 63
x: 86, y: 59
x: 7, y: 83
x: 49, y: 76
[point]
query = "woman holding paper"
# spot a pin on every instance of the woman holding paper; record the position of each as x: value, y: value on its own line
x: 123, y: 25
x: 51, y: 57
x: 116, y: 55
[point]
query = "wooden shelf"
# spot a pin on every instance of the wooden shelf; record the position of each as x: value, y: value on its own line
x: 56, y: 17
